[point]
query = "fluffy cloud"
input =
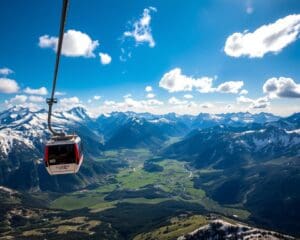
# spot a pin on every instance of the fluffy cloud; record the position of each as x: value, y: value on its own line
x: 33, y: 102
x: 36, y: 99
x: 243, y: 99
x: 148, y: 89
x: 105, y: 58
x: 176, y: 101
x: 271, y: 38
x: 129, y: 103
x: 192, y: 105
x: 68, y: 103
x: 243, y: 92
x: 153, y: 102
x: 71, y: 100
x: 8, y: 85
x: 60, y: 93
x: 38, y: 91
x: 188, y: 96
x: 175, y: 81
x: 282, y: 88
x: 207, y: 105
x: 142, y: 32
x: 261, y: 102
x: 97, y: 97
x: 230, y: 87
x: 5, y: 71
x: 142, y: 104
x: 229, y: 106
x: 75, y: 44
x: 109, y: 103
x: 127, y: 95
x: 149, y: 103
x: 150, y: 95
x: 46, y: 41
x: 18, y: 99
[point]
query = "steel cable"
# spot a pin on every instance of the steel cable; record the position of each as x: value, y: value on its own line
x: 50, y: 101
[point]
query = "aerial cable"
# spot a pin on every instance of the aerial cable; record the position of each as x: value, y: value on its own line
x: 50, y: 101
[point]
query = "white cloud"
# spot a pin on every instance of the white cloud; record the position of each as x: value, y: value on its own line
x: 97, y: 97
x: 192, y: 105
x: 243, y: 99
x: 261, y: 102
x: 8, y: 85
x: 75, y: 44
x: 71, y: 100
x: 60, y: 93
x: 36, y: 99
x: 109, y: 103
x: 229, y: 106
x: 271, y: 38
x: 175, y: 81
x: 148, y: 89
x: 142, y: 32
x: 243, y: 92
x: 153, y: 102
x: 130, y: 104
x: 230, y: 87
x: 105, y: 58
x: 127, y: 95
x: 5, y: 71
x: 188, y: 96
x: 18, y: 99
x: 206, y: 105
x: 281, y: 87
x: 46, y: 41
x: 150, y: 95
x: 176, y: 101
x: 67, y: 103
x: 38, y: 91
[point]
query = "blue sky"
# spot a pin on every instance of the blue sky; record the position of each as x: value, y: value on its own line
x: 197, y: 56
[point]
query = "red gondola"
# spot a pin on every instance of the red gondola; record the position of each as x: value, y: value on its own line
x: 63, y: 154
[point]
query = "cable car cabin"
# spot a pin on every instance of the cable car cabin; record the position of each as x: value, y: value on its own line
x: 63, y: 155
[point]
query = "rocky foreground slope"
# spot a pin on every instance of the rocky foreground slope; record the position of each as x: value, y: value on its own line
x: 222, y: 229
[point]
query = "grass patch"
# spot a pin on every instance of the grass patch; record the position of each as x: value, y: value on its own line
x: 77, y: 201
x: 176, y: 227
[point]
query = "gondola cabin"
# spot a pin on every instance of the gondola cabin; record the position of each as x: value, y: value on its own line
x: 63, y: 155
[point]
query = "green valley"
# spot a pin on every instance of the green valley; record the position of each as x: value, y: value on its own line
x: 135, y: 185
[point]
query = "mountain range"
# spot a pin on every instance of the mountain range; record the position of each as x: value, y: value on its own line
x: 220, y: 139
x: 25, y: 131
